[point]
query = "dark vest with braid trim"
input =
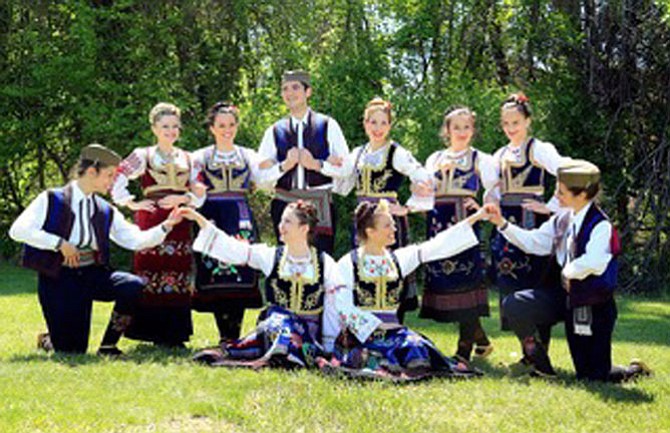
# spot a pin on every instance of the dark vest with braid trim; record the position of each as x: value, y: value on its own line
x: 594, y: 289
x: 314, y: 139
x: 309, y: 297
x: 365, y: 292
x: 59, y: 221
x: 465, y: 180
x: 384, y: 181
x: 525, y: 176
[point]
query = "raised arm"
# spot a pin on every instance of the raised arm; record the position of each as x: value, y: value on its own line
x: 447, y: 243
x: 131, y: 237
x: 216, y: 243
x: 406, y: 163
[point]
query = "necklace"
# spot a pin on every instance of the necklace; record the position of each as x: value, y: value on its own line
x: 298, y: 265
x: 166, y: 157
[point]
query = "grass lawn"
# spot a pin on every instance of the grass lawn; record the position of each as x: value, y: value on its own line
x: 161, y: 391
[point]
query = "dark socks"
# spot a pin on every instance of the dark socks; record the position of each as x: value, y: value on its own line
x: 118, y: 324
x: 229, y: 324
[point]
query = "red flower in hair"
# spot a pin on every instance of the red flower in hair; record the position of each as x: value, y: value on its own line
x: 522, y: 99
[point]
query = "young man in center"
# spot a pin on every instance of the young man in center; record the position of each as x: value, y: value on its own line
x: 308, y: 148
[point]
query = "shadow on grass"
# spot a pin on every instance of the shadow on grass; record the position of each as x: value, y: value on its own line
x: 141, y: 354
x: 149, y: 353
x: 611, y: 392
x: 70, y: 360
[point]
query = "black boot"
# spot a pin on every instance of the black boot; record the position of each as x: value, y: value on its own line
x: 118, y: 324
x: 536, y: 353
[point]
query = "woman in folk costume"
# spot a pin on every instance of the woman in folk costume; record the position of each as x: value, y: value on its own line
x: 228, y: 171
x: 290, y: 331
x: 164, y: 315
x: 374, y: 281
x: 454, y: 289
x: 378, y: 170
x: 583, y: 246
x: 523, y: 165
x: 67, y: 233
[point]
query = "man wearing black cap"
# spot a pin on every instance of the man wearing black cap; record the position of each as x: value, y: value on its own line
x: 308, y: 148
x: 66, y: 232
x: 585, y: 247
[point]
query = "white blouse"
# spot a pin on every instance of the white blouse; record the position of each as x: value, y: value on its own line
x: 403, y: 162
x: 336, y: 313
x: 539, y: 241
x: 28, y: 226
x: 238, y: 156
x: 135, y: 165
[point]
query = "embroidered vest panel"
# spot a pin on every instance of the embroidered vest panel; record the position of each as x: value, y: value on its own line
x: 381, y: 181
x: 594, y: 289
x: 523, y: 177
x: 462, y: 180
x: 376, y: 293
x: 59, y: 221
x: 314, y: 139
x: 166, y: 179
x: 222, y: 178
x: 297, y: 293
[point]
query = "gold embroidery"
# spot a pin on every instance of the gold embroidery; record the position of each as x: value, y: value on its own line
x: 383, y: 298
x: 280, y: 297
x: 169, y: 176
x: 449, y: 185
x: 515, y: 184
x: 365, y: 186
x: 228, y: 182
x: 295, y: 301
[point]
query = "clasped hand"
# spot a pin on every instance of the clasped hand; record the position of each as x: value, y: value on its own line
x: 303, y: 157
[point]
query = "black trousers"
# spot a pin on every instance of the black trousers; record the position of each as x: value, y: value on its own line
x: 533, y: 312
x: 592, y: 354
x: 67, y: 302
x: 324, y: 243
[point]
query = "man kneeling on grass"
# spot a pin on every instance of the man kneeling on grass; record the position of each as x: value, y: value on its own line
x: 585, y: 247
x: 66, y: 232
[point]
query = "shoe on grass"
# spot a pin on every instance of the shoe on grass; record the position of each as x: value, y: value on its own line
x: 44, y: 342
x: 110, y: 351
x: 483, y: 351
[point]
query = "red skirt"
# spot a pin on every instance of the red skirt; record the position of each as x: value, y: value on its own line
x: 167, y: 269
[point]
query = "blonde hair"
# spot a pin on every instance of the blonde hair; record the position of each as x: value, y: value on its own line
x: 453, y: 111
x: 378, y: 104
x: 163, y: 109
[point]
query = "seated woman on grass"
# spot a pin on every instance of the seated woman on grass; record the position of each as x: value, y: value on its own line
x: 375, y: 281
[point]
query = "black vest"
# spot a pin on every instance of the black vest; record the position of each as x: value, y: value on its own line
x: 295, y: 293
x: 382, y: 182
x: 314, y: 139
x: 59, y: 221
x: 376, y: 293
x: 594, y: 289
